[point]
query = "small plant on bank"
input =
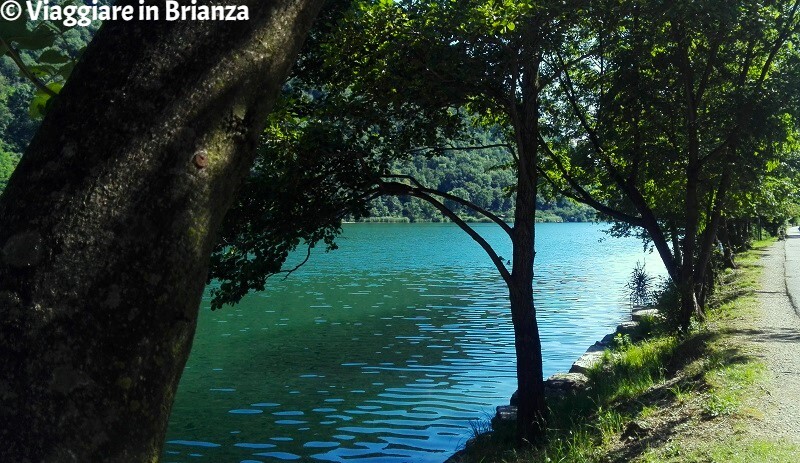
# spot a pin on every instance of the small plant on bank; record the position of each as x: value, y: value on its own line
x: 720, y: 405
x: 621, y: 341
x: 680, y: 392
x: 640, y: 286
x: 609, y: 423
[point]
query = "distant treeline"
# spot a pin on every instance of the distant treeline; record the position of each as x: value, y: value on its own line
x: 481, y: 177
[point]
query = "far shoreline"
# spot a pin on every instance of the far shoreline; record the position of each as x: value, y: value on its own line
x: 471, y: 220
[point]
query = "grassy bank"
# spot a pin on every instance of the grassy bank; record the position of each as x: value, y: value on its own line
x: 666, y: 398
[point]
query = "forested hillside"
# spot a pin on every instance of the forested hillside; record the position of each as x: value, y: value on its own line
x: 481, y: 177
x: 16, y: 126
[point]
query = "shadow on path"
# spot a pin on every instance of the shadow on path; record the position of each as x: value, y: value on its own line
x: 772, y: 335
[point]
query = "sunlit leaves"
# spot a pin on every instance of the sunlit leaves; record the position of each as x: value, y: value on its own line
x: 502, y: 16
x: 51, y: 68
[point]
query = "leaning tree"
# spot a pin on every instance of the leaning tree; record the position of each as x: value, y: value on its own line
x: 107, y: 224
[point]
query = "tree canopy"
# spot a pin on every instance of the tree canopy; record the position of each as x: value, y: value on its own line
x: 672, y: 116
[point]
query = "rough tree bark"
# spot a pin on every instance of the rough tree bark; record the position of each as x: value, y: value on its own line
x: 108, y: 222
x: 532, y: 408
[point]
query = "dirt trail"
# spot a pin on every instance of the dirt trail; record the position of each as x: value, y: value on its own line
x: 776, y: 336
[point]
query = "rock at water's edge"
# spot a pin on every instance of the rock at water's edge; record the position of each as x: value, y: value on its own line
x: 638, y: 315
x: 563, y: 384
x: 559, y: 385
x: 592, y: 356
x: 506, y: 413
x: 628, y: 328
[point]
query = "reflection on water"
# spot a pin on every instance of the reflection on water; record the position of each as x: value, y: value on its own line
x: 388, y: 348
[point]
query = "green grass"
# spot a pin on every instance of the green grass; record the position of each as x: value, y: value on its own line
x: 755, y: 452
x: 728, y: 451
x: 631, y: 370
x: 581, y: 426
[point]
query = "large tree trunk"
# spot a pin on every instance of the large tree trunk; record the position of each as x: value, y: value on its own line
x: 108, y: 222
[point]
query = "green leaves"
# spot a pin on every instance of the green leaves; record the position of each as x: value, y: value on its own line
x: 679, y: 94
x: 41, y: 99
x: 19, y: 35
x: 51, y: 68
x: 502, y: 16
x: 54, y: 57
x: 8, y: 162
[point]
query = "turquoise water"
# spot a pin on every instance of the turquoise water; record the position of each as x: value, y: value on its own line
x: 387, y: 349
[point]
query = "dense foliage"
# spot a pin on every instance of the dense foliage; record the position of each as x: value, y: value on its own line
x: 674, y: 118
x: 35, y: 61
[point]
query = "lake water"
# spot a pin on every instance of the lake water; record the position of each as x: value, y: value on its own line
x: 390, y: 348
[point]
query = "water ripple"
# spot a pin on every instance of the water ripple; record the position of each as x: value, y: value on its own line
x: 388, y: 352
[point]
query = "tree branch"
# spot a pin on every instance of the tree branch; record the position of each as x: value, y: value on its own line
x: 506, y: 228
x: 712, y: 60
x: 296, y: 267
x: 788, y: 29
x: 12, y: 53
x: 581, y: 195
x: 401, y: 189
x: 569, y: 90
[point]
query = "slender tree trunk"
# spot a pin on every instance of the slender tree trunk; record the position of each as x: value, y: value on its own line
x: 676, y: 246
x: 532, y: 409
x: 747, y: 235
x: 688, y: 284
x: 704, y: 268
x: 108, y: 222
x: 707, y: 287
x: 653, y: 229
x: 727, y: 247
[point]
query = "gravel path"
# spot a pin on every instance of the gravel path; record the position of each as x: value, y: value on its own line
x: 777, y: 337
